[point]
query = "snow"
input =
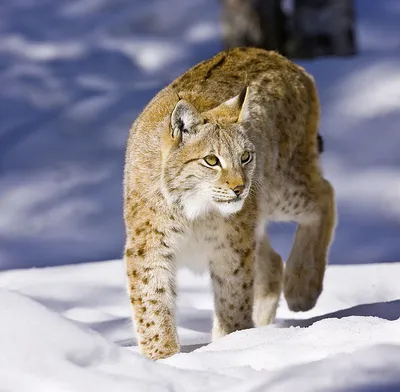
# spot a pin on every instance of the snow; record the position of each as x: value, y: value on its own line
x: 67, y: 329
x: 74, y: 75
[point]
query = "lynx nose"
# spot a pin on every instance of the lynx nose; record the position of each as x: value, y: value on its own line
x: 238, y: 189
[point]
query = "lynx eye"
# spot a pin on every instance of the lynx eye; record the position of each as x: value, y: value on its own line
x: 211, y: 160
x: 246, y: 157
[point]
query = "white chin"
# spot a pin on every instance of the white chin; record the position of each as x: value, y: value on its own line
x: 196, y: 205
x: 229, y: 208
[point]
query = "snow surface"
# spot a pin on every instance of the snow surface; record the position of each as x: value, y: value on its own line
x: 67, y: 329
x: 74, y: 75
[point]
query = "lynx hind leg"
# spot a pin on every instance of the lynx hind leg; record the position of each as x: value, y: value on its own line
x: 268, y: 276
x: 305, y: 268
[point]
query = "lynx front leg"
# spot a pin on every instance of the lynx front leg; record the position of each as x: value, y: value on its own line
x: 305, y: 267
x: 151, y: 273
x: 232, y: 278
x: 267, y: 283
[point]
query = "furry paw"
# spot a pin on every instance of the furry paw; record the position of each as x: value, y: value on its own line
x: 159, y: 349
x: 301, y: 293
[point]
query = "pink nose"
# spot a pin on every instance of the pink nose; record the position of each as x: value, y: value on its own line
x: 238, y: 189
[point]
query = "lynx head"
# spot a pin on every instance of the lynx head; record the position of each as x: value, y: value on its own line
x: 208, y: 158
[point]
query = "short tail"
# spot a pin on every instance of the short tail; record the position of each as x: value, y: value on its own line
x: 314, y: 113
x: 320, y: 143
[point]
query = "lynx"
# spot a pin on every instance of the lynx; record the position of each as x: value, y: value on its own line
x: 228, y: 146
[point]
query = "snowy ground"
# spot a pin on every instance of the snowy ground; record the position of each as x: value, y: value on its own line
x: 67, y: 329
x: 73, y: 77
x: 75, y: 74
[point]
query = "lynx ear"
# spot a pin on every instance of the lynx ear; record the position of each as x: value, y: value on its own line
x: 244, y: 108
x: 230, y: 110
x: 235, y: 104
x: 184, y: 119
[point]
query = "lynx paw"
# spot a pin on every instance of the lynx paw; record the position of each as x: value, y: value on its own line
x: 157, y: 349
x: 301, y: 293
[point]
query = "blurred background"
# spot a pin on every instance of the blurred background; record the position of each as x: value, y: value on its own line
x: 75, y: 74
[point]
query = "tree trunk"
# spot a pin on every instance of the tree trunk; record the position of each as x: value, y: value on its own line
x: 258, y: 23
x: 324, y: 28
x: 314, y: 28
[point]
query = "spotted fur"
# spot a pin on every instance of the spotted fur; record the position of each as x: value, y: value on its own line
x: 181, y: 210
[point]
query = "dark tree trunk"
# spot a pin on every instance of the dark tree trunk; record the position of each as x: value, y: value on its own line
x: 314, y: 28
x: 258, y: 23
x: 323, y: 28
